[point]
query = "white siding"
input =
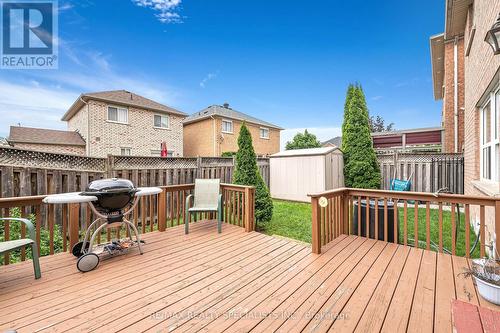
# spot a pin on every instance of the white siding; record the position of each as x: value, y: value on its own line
x: 294, y: 177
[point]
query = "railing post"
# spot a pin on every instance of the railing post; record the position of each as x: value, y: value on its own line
x: 249, y: 209
x: 497, y: 229
x: 162, y: 210
x: 199, y: 171
x: 316, y: 228
x: 345, y: 215
x: 74, y: 224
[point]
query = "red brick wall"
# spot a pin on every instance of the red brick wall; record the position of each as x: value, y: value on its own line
x: 448, y: 100
x: 481, y: 67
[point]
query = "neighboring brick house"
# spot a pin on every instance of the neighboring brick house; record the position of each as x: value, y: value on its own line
x: 447, y: 55
x: 215, y: 129
x: 470, y: 21
x: 123, y: 123
x: 52, y: 141
x: 335, y: 142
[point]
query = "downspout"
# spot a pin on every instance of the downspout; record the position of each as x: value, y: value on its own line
x: 215, y: 136
x: 455, y: 91
x: 87, y: 143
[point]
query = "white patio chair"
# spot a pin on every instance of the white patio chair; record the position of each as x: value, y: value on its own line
x: 207, y: 198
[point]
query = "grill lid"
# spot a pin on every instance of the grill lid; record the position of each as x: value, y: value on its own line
x: 110, y: 185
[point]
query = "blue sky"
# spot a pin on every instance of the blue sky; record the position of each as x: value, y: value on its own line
x: 287, y: 62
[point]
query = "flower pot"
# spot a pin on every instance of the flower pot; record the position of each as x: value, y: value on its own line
x: 488, y: 291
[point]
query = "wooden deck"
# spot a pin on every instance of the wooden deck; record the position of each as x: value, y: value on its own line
x: 239, y: 281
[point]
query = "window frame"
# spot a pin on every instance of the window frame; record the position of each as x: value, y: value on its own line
x: 227, y: 121
x: 125, y: 148
x: 494, y: 144
x: 161, y: 115
x: 264, y: 129
x: 117, y: 108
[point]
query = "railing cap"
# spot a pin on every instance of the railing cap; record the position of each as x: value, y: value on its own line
x: 396, y: 194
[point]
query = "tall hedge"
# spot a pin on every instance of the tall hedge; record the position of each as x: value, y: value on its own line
x: 303, y: 141
x: 361, y: 169
x: 247, y: 173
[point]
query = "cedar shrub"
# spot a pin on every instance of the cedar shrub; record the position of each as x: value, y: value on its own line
x: 247, y: 173
x: 361, y: 168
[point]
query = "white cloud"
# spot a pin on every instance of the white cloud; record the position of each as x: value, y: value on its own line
x: 40, y: 98
x: 376, y: 98
x: 210, y: 76
x: 322, y: 133
x: 65, y: 6
x: 32, y: 105
x: 166, y: 10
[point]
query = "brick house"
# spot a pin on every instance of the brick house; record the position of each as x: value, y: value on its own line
x: 469, y: 21
x: 215, y: 129
x: 51, y: 141
x: 123, y: 123
x: 447, y: 55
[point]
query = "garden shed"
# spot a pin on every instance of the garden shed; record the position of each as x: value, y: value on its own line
x: 296, y: 173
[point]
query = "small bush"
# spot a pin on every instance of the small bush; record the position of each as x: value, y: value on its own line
x: 247, y: 173
x: 15, y: 233
x: 228, y: 154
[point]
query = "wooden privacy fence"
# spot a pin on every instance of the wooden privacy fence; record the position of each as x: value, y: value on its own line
x: 421, y: 220
x: 429, y: 171
x: 153, y: 213
x: 31, y: 173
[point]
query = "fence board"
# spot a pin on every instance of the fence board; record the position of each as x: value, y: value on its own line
x: 429, y: 172
x: 28, y: 172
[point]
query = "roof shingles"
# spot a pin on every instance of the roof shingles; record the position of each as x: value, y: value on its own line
x: 20, y: 134
x: 226, y: 112
x: 121, y: 97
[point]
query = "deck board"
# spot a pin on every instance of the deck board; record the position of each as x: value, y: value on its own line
x: 239, y: 282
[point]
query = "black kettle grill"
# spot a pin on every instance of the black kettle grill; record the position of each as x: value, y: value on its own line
x: 113, y: 194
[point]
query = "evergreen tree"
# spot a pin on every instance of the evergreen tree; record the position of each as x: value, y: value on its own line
x: 361, y: 168
x: 247, y: 173
x: 302, y: 141
x: 377, y: 124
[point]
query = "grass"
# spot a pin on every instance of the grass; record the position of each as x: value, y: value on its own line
x: 434, y: 228
x: 290, y: 219
x: 293, y: 220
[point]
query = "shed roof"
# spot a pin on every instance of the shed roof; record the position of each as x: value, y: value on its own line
x: 305, y: 152
x: 20, y: 134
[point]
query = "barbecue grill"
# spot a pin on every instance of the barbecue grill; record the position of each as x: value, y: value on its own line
x: 111, y: 200
x: 113, y: 195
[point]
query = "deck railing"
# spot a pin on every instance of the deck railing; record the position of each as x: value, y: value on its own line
x: 425, y: 220
x: 59, y: 227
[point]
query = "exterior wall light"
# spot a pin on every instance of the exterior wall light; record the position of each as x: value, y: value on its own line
x: 493, y: 36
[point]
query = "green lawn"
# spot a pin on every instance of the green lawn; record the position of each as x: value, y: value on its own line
x: 434, y: 227
x: 293, y: 220
x: 290, y: 219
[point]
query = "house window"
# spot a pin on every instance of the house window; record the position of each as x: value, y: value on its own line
x: 125, y: 151
x: 490, y: 144
x: 227, y: 126
x: 264, y: 133
x: 118, y: 114
x: 161, y: 121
